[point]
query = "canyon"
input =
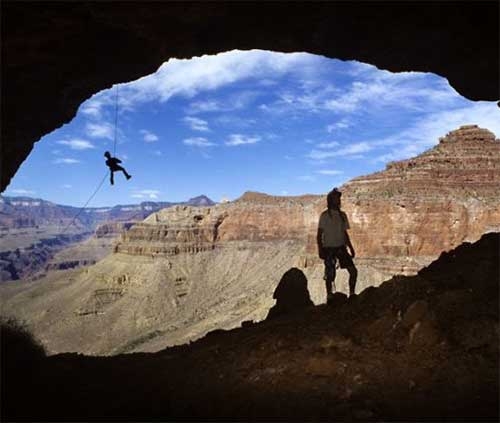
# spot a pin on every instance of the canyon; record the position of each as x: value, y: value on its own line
x: 34, y: 231
x: 185, y: 271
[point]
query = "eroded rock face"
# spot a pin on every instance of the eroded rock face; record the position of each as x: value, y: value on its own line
x: 401, y: 218
x: 419, y: 207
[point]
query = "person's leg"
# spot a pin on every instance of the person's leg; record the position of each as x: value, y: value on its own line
x: 330, y: 273
x: 124, y: 172
x: 111, y: 178
x: 353, y: 277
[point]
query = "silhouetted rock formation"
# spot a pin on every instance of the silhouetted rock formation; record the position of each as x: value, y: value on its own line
x: 291, y: 294
x: 419, y: 348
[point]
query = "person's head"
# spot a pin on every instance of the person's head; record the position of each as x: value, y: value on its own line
x: 107, y: 154
x: 333, y: 199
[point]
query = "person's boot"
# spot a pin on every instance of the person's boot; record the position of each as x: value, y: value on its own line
x: 128, y: 176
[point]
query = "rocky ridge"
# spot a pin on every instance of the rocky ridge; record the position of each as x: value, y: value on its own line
x: 418, y: 348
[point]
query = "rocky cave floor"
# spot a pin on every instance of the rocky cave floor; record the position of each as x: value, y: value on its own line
x: 420, y: 348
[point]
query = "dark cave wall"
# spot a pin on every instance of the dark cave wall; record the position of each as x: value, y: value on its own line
x: 56, y: 55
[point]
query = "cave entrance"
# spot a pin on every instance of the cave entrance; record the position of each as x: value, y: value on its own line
x: 280, y: 123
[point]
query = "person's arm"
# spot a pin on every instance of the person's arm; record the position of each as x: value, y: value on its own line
x: 349, y: 245
x: 319, y: 241
x: 117, y: 160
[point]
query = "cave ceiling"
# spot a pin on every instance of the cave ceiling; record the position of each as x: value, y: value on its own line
x: 55, y: 55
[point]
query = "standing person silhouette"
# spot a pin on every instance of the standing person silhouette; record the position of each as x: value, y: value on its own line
x: 112, y: 163
x: 333, y: 241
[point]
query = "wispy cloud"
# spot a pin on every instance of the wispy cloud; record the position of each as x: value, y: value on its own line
x: 228, y: 103
x: 426, y: 131
x: 65, y: 160
x: 151, y: 194
x: 21, y: 191
x: 76, y: 144
x: 148, y: 136
x: 196, y: 124
x: 354, y: 150
x: 99, y: 130
x: 187, y: 78
x: 331, y: 144
x: 198, y: 142
x: 67, y: 186
x: 239, y: 139
x: 92, y: 108
x: 341, y: 124
x: 376, y: 89
x: 330, y: 172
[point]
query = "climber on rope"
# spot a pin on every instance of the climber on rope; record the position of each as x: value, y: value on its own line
x: 112, y: 163
x: 333, y: 241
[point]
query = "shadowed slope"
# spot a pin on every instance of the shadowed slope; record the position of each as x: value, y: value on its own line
x: 421, y: 347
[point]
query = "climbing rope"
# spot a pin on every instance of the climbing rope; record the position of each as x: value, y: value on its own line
x: 85, y: 205
x: 105, y: 176
x: 116, y: 120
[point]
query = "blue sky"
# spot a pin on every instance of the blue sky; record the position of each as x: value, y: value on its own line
x: 284, y: 124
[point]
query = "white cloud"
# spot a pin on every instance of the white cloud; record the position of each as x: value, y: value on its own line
x: 330, y: 172
x: 100, y: 130
x: 92, y: 108
x: 198, y: 142
x: 376, y: 89
x: 196, y: 124
x: 239, y: 139
x: 331, y: 144
x: 341, y: 124
x: 151, y: 194
x: 425, y: 132
x: 352, y: 151
x: 230, y: 103
x: 66, y: 160
x: 188, y: 77
x: 66, y: 186
x: 76, y: 144
x: 205, y: 106
x: 21, y: 191
x: 149, y: 136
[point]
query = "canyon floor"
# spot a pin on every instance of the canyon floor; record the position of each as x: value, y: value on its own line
x: 416, y: 348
